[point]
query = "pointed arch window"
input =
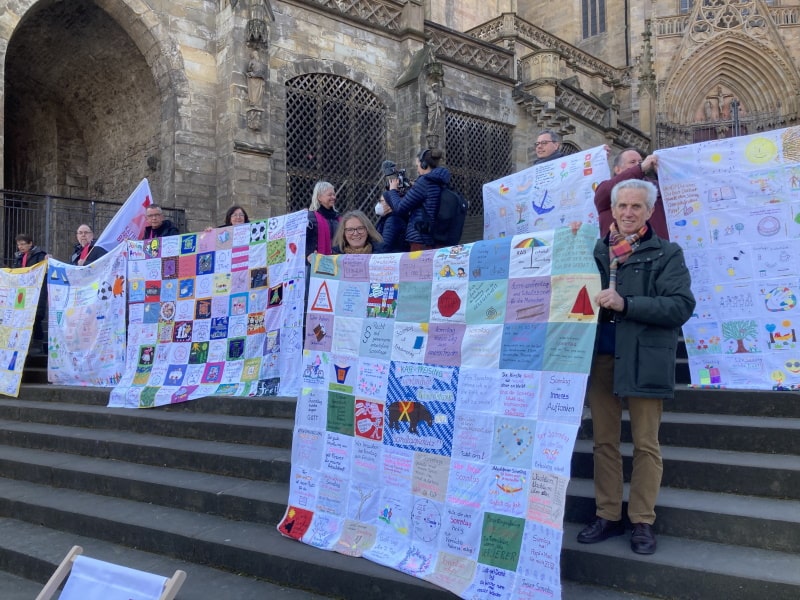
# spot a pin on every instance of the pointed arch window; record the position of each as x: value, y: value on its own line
x: 593, y: 14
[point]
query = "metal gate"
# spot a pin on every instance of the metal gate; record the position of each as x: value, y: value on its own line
x: 53, y: 220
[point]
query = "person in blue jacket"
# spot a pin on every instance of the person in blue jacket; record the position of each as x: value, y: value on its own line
x: 420, y: 203
x: 392, y: 228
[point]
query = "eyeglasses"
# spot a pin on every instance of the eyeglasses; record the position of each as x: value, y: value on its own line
x: 352, y: 230
x: 537, y: 144
x: 82, y: 232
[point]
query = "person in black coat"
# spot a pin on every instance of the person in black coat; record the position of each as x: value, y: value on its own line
x: 157, y: 226
x: 323, y: 219
x: 420, y: 203
x: 28, y: 255
x: 236, y: 215
x: 85, y: 252
x: 392, y: 228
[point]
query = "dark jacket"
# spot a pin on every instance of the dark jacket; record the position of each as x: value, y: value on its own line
x: 165, y: 229
x: 554, y: 156
x: 36, y: 255
x: 392, y: 228
x: 602, y: 202
x: 95, y: 252
x: 331, y: 216
x: 656, y: 286
x: 420, y: 205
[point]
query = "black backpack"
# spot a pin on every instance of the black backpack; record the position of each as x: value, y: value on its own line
x: 449, y: 224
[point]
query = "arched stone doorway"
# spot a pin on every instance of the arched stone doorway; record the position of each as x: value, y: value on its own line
x: 83, y: 111
x: 730, y: 76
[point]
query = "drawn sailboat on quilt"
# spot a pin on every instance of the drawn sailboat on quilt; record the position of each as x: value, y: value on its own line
x: 582, y: 309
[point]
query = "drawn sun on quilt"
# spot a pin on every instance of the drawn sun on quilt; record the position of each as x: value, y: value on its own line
x: 514, y: 441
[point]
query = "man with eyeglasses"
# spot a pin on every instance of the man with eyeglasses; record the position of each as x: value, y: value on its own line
x: 547, y: 147
x: 157, y: 225
x: 85, y: 251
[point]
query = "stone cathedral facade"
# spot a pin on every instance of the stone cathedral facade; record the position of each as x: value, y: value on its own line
x: 252, y: 101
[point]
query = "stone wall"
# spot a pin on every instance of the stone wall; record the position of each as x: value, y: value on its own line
x: 106, y: 92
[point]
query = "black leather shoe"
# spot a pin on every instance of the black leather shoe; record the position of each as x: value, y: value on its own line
x: 600, y: 529
x: 643, y: 540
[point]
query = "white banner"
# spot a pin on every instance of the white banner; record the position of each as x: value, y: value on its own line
x: 129, y: 222
x: 86, y: 323
x: 19, y: 297
x: 734, y: 206
x: 545, y: 196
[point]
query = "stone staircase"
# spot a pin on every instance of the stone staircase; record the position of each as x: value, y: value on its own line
x: 728, y: 516
x: 200, y: 486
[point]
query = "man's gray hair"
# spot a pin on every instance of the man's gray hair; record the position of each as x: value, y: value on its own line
x: 554, y: 137
x: 636, y: 184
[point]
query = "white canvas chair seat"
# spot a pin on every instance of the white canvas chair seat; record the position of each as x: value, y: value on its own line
x: 92, y: 579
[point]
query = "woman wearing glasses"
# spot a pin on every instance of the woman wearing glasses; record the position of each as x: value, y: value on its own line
x: 357, y: 235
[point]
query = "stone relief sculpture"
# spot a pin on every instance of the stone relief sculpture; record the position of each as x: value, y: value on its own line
x: 257, y: 75
x: 256, y: 79
x: 434, y: 103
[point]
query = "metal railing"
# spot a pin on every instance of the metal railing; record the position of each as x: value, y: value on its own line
x: 53, y: 220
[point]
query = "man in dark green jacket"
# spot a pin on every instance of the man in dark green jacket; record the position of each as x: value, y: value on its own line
x: 645, y: 299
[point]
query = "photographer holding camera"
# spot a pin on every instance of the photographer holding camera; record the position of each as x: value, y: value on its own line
x: 391, y: 225
x: 420, y: 203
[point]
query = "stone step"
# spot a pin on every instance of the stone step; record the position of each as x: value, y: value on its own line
x: 682, y: 568
x: 220, y: 458
x: 229, y: 497
x: 755, y: 403
x: 257, y: 406
x: 709, y: 470
x: 767, y: 435
x: 36, y: 551
x: 275, y: 432
x: 254, y: 549
x: 764, y: 523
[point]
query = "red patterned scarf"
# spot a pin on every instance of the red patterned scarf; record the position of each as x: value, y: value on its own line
x: 620, y: 247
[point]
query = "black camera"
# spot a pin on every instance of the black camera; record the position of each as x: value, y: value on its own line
x: 390, y: 170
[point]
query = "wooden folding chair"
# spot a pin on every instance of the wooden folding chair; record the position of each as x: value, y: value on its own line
x: 170, y: 585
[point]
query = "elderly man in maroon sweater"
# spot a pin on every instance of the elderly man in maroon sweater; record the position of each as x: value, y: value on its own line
x: 629, y: 165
